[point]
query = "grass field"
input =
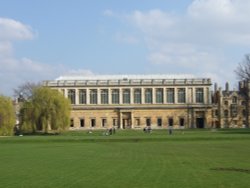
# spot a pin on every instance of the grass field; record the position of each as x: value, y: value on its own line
x: 190, y: 158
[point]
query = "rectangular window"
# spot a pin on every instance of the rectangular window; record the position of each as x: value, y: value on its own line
x: 148, y: 122
x: 71, y: 122
x: 82, y: 123
x: 104, y: 122
x: 115, y: 96
x: 199, y: 92
x: 72, y: 96
x: 137, y: 96
x: 170, y: 95
x: 104, y: 96
x: 148, y: 96
x: 115, y: 122
x: 93, y: 123
x: 93, y: 96
x: 159, y: 95
x: 137, y: 122
x: 159, y: 122
x: 82, y: 96
x: 126, y: 96
x: 170, y: 121
x: 181, y: 95
x: 182, y: 121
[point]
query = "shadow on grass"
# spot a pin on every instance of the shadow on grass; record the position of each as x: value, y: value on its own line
x: 232, y: 170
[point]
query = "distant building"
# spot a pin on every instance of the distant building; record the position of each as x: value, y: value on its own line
x: 137, y: 101
x: 231, y: 107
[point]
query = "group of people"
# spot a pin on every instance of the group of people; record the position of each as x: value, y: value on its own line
x: 110, y: 131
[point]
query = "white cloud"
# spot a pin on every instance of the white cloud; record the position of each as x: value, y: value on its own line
x: 197, y: 41
x: 13, y: 30
x: 15, y: 71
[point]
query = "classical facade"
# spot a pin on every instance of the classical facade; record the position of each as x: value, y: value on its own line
x: 137, y: 101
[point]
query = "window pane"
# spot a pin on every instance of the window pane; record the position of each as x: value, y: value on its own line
x: 126, y: 96
x: 115, y: 96
x: 159, y: 122
x: 104, y: 96
x: 93, y: 96
x: 82, y: 96
x: 137, y: 96
x: 148, y: 96
x: 181, y: 95
x: 199, y: 95
x: 159, y: 95
x: 170, y: 95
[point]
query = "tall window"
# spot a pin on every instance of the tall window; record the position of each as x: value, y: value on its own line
x: 199, y: 95
x: 126, y: 96
x: 182, y: 121
x: 148, y: 122
x: 234, y: 101
x: 148, y: 96
x: 170, y: 121
x: 137, y: 96
x: 159, y: 95
x: 159, y: 122
x: 93, y: 96
x: 115, y: 122
x: 82, y: 96
x: 181, y: 95
x: 72, y: 96
x: 115, y: 96
x: 82, y: 123
x: 170, y: 95
x: 104, y: 122
x: 71, y: 122
x: 93, y: 122
x: 104, y: 96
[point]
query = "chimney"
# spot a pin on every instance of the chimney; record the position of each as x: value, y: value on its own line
x: 215, y: 87
x: 227, y: 87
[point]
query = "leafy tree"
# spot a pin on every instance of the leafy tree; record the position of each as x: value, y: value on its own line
x: 7, y: 116
x: 46, y: 110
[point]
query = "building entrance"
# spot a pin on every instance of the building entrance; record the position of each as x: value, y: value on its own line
x: 126, y: 120
x: 200, y: 123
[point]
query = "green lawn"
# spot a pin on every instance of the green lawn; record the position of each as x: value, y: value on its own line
x: 190, y: 158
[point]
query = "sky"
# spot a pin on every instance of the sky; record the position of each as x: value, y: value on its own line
x: 44, y: 39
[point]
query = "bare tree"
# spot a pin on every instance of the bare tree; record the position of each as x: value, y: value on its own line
x: 243, y: 69
x: 243, y: 74
x: 25, y: 90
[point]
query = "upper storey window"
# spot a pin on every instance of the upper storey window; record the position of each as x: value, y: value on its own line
x: 115, y: 96
x: 82, y: 96
x: 72, y: 96
x: 199, y: 92
x: 148, y: 96
x: 234, y: 100
x: 159, y: 95
x: 126, y: 96
x: 170, y: 95
x: 181, y: 95
x: 104, y: 96
x: 137, y: 96
x: 93, y: 96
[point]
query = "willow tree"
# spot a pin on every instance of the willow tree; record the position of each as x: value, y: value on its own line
x: 47, y: 110
x: 7, y: 116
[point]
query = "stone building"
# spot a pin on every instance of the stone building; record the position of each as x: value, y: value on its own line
x: 230, y: 107
x: 137, y: 101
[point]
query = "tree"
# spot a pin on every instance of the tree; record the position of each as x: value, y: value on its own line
x: 46, y: 110
x: 25, y: 91
x: 243, y: 74
x: 243, y: 69
x: 7, y: 116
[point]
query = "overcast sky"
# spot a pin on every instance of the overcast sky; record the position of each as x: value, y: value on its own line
x: 43, y: 39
